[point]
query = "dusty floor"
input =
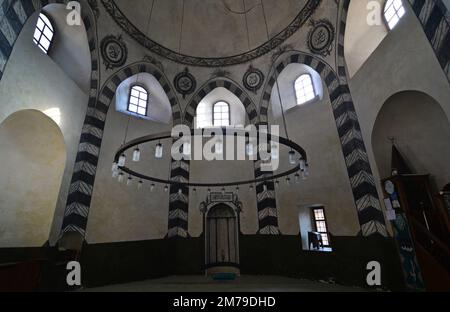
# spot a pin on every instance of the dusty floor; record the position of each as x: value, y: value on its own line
x: 242, y: 284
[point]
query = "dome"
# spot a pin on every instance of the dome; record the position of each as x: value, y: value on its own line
x: 219, y: 25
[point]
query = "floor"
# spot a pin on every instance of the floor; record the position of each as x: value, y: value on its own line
x: 242, y: 284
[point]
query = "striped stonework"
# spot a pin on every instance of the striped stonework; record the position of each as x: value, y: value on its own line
x: 266, y: 203
x: 13, y: 16
x: 267, y: 207
x: 80, y: 194
x: 365, y: 194
x: 179, y: 203
x: 435, y: 19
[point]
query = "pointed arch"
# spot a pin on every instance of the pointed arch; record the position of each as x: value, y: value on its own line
x: 80, y: 194
x: 231, y: 86
x: 365, y: 194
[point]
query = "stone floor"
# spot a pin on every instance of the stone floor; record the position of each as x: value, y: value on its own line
x: 242, y: 284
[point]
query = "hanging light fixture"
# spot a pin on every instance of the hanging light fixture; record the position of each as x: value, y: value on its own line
x: 265, y: 187
x: 166, y: 188
x: 180, y: 192
x: 159, y: 151
x: 129, y: 181
x: 288, y: 181
x: 297, y: 178
x: 152, y: 187
x: 115, y: 173
x: 121, y: 177
x: 140, y: 184
x: 305, y: 172
x: 136, y: 154
x: 292, y: 159
x: 122, y: 160
x: 275, y: 151
x: 237, y: 190
x: 277, y: 183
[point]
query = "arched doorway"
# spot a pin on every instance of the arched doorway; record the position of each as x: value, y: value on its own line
x: 222, y: 240
x: 33, y: 154
x: 421, y: 130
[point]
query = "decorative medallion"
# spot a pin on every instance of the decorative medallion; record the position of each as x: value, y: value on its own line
x: 321, y: 37
x: 185, y: 83
x: 253, y: 79
x: 114, y: 51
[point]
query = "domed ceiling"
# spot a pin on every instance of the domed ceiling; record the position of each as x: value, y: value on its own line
x: 214, y: 31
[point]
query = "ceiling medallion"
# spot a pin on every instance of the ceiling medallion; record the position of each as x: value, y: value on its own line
x: 253, y: 79
x: 114, y: 51
x: 185, y: 83
x: 321, y: 37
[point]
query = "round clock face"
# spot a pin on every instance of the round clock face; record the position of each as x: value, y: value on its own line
x: 389, y: 187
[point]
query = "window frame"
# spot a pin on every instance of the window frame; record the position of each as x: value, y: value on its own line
x: 386, y: 22
x: 213, y: 113
x: 313, y: 88
x: 315, y: 221
x: 139, y: 99
x: 52, y: 29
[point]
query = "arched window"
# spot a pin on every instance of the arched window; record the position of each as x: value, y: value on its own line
x: 43, y: 34
x: 138, y: 102
x: 393, y: 12
x: 304, y: 89
x: 221, y: 117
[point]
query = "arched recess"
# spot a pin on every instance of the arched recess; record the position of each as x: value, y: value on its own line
x: 70, y: 46
x: 286, y: 81
x: 158, y: 105
x: 80, y: 195
x: 227, y: 84
x: 421, y: 131
x: 16, y: 14
x: 365, y: 194
x: 33, y: 152
x: 361, y: 39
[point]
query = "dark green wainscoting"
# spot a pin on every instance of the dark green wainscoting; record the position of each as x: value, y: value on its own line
x: 105, y: 264
x: 111, y: 263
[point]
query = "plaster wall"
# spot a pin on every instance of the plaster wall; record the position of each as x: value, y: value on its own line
x: 120, y: 213
x: 404, y: 61
x: 31, y: 177
x: 313, y: 127
x: 32, y: 80
x: 362, y: 39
